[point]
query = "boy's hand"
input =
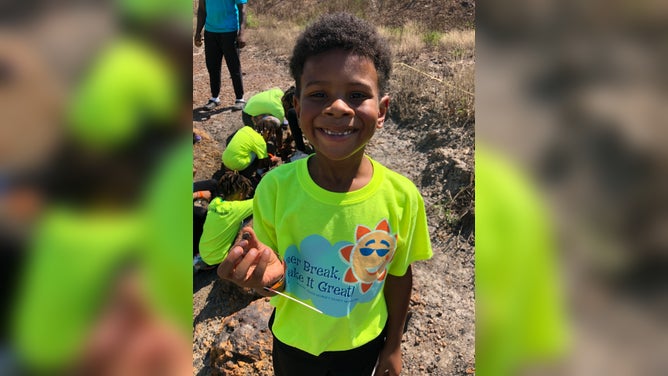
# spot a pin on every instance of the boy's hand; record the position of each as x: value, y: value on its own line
x: 389, y: 362
x: 198, y: 40
x: 250, y: 263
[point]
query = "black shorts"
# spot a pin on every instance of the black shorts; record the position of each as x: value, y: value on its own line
x: 291, y: 361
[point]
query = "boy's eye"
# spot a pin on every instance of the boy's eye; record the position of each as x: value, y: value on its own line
x: 317, y: 94
x: 358, y: 95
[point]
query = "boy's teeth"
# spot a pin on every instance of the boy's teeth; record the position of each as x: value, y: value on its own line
x: 337, y: 133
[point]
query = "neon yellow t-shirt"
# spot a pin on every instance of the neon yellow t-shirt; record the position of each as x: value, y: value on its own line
x: 338, y: 249
x: 222, y: 224
x: 245, y: 144
x: 70, y: 264
x: 266, y: 102
x: 520, y: 317
x: 76, y: 256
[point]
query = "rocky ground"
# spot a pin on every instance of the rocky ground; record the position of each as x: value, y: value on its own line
x: 229, y: 324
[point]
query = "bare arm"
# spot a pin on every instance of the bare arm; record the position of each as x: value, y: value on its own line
x: 202, y: 194
x: 241, y: 37
x: 397, y: 295
x: 201, y: 19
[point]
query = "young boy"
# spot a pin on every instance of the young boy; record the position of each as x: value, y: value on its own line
x: 336, y: 230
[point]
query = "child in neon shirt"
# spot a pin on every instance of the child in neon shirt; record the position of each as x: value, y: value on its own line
x: 274, y: 102
x: 247, y: 150
x: 265, y: 113
x: 336, y: 230
x: 225, y: 216
x: 266, y: 102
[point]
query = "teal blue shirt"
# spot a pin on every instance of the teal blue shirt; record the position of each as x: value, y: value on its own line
x: 222, y: 16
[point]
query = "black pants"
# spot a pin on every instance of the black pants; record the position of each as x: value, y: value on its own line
x: 199, y: 217
x: 217, y: 46
x: 290, y: 361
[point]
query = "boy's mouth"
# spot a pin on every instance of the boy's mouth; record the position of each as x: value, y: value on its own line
x: 337, y: 134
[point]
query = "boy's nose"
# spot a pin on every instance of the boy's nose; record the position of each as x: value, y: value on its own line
x: 339, y: 107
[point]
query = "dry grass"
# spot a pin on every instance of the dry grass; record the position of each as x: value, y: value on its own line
x: 412, y: 39
x: 275, y: 35
x: 459, y: 44
x: 437, y: 100
x: 433, y: 83
x: 304, y: 11
x: 406, y: 41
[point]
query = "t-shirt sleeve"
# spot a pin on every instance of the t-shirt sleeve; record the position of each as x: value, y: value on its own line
x: 264, y: 211
x: 243, y: 209
x: 413, y: 243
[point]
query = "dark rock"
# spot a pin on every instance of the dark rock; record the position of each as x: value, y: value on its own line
x: 244, y: 345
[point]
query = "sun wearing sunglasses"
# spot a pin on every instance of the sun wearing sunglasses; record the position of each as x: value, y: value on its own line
x: 367, y: 251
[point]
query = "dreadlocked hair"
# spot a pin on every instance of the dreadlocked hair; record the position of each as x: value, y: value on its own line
x: 270, y: 129
x: 233, y: 182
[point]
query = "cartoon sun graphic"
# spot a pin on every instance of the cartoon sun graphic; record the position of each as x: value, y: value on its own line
x: 369, y: 256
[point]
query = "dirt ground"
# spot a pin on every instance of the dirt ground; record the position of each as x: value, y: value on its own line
x: 440, y: 337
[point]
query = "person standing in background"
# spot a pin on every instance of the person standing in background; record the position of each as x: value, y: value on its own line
x: 224, y: 23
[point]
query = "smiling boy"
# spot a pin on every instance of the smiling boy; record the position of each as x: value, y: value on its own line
x: 336, y: 230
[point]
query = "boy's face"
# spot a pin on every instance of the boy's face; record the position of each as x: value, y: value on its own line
x: 340, y: 107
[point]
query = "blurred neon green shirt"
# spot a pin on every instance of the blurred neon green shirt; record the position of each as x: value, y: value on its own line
x: 131, y: 86
x: 76, y: 256
x: 519, y: 310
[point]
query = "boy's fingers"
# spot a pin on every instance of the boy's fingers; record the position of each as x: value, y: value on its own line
x: 240, y: 272
x: 258, y: 274
x: 228, y: 264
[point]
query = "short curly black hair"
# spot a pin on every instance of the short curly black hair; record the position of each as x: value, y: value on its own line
x: 347, y: 32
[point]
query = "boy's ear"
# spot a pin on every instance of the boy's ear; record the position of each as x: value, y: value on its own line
x: 383, y: 106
